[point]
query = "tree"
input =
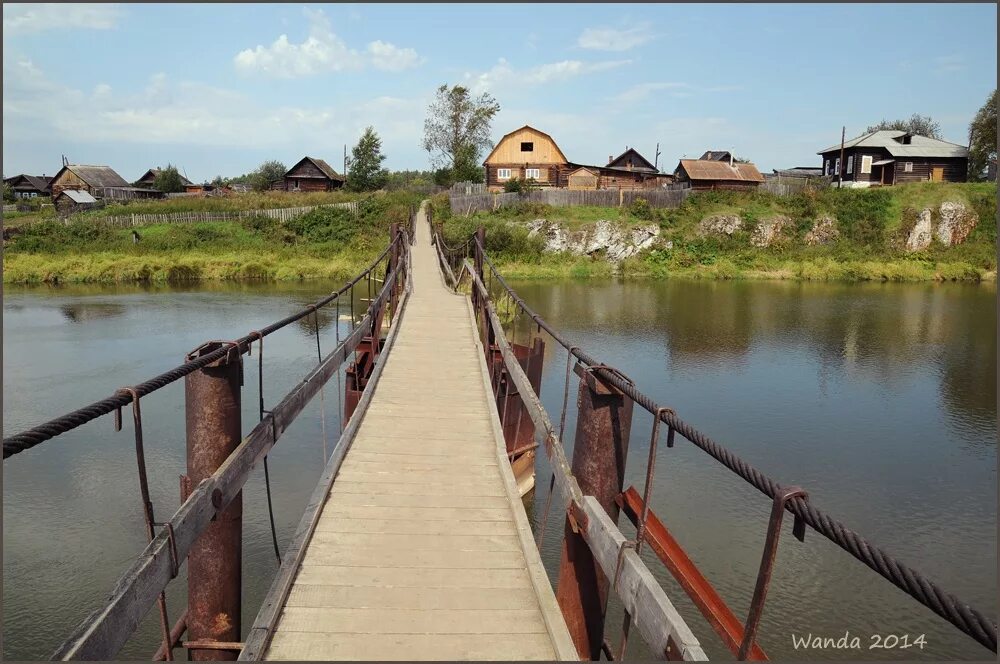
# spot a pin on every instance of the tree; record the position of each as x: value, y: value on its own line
x: 168, y: 180
x: 219, y: 181
x: 365, y: 172
x: 8, y: 194
x: 457, y: 131
x: 923, y: 125
x: 983, y: 138
x: 267, y: 174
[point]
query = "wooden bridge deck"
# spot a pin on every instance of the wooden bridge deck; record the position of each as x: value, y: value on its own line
x: 422, y: 549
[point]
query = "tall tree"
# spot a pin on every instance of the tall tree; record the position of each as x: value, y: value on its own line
x: 923, y: 125
x: 983, y: 138
x: 365, y: 172
x: 267, y: 174
x: 168, y: 180
x: 457, y: 131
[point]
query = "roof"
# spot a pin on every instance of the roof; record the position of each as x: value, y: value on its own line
x: 799, y: 171
x: 919, y: 146
x: 78, y: 196
x: 530, y: 128
x: 156, y: 171
x: 715, y: 155
x: 95, y: 176
x: 592, y: 171
x: 647, y: 165
x: 324, y: 168
x: 39, y: 182
x: 701, y: 169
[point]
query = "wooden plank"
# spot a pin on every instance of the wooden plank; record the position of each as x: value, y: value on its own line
x: 414, y: 542
x: 422, y: 513
x: 402, y: 527
x: 329, y: 554
x: 348, y: 484
x: 414, y: 647
x: 355, y: 620
x: 401, y: 577
x: 390, y: 597
x: 380, y: 463
x: 420, y: 461
x: 453, y: 480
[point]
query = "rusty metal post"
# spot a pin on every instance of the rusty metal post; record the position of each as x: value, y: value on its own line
x: 603, y: 423
x: 212, y: 406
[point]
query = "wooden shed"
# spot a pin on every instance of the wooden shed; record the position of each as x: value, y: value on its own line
x: 311, y: 174
x: 529, y: 154
x: 69, y: 201
x: 705, y: 174
x: 582, y: 179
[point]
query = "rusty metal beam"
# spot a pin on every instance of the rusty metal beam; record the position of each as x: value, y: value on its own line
x: 718, y: 614
x: 175, y: 635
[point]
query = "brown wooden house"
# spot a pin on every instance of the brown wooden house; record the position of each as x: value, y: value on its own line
x: 716, y: 155
x: 889, y: 157
x: 312, y: 175
x: 529, y: 154
x: 148, y: 179
x: 707, y: 174
x: 99, y: 181
x: 631, y: 160
x: 28, y: 186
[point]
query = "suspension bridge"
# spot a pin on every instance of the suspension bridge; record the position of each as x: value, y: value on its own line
x: 415, y: 543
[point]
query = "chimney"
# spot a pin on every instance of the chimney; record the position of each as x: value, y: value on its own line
x: 610, y: 158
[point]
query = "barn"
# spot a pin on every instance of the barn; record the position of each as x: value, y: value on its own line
x: 706, y: 174
x: 69, y: 201
x: 311, y: 174
x: 99, y: 182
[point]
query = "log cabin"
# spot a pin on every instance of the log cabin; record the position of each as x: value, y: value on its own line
x: 888, y: 157
x: 707, y: 174
x: 99, y: 181
x: 529, y: 154
x: 311, y: 174
x: 148, y: 179
x: 28, y: 186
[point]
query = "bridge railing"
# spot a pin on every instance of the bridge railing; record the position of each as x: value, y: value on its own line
x: 493, y: 296
x: 207, y: 506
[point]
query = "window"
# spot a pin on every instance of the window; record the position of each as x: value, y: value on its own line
x: 836, y: 168
x: 503, y: 173
x: 829, y: 167
x: 850, y: 164
x: 531, y: 173
x: 528, y: 146
x: 908, y: 167
x: 866, y: 163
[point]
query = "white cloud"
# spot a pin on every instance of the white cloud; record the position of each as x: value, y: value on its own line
x: 322, y: 51
x: 615, y: 39
x: 502, y: 73
x: 388, y: 57
x: 677, y: 90
x: 949, y: 63
x: 29, y: 18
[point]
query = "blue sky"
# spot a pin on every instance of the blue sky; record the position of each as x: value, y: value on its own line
x: 218, y: 88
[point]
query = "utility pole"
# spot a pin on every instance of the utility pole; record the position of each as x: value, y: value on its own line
x: 656, y: 159
x: 345, y: 160
x: 840, y: 171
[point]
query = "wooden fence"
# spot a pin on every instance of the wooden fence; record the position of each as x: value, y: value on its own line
x: 280, y: 214
x: 468, y: 188
x: 658, y: 198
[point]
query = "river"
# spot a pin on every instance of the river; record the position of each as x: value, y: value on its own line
x: 879, y: 399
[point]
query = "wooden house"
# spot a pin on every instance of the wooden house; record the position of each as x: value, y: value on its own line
x: 148, y: 179
x: 311, y: 174
x: 99, y: 181
x: 28, y: 186
x: 708, y: 174
x: 716, y: 155
x: 526, y: 153
x: 890, y: 156
x: 68, y: 201
x: 631, y: 160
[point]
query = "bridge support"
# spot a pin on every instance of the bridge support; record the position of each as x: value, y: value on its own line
x: 212, y: 404
x: 603, y: 424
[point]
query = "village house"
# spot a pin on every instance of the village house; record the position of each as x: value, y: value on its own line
x: 28, y: 186
x: 101, y: 182
x: 630, y: 170
x: 709, y: 174
x: 716, y: 155
x: 311, y: 174
x: 889, y: 157
x: 148, y: 179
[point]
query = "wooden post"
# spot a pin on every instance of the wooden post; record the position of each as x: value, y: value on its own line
x: 604, y: 420
x: 212, y: 406
x: 840, y: 171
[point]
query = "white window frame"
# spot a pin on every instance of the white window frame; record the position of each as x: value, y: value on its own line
x: 850, y: 164
x: 836, y: 168
x: 532, y: 173
x: 866, y: 164
x: 503, y: 174
x: 908, y: 167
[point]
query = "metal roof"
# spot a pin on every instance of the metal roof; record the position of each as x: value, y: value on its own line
x: 78, y: 196
x: 702, y: 169
x: 919, y: 146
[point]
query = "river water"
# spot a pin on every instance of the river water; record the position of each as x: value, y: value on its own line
x: 880, y: 400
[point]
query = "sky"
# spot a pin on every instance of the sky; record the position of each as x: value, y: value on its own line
x: 218, y: 88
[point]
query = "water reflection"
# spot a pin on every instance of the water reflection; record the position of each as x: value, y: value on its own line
x: 81, y: 312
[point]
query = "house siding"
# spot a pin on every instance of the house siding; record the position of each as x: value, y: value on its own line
x: 68, y: 180
x: 955, y: 168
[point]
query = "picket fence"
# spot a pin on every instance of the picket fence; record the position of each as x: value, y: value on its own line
x: 281, y: 214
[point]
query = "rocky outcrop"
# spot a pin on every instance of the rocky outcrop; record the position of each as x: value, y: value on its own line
x: 607, y: 237
x: 824, y: 231
x: 766, y: 230
x: 921, y: 235
x: 957, y: 221
x: 720, y: 224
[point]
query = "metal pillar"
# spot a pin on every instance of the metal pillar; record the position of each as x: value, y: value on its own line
x: 212, y: 405
x: 603, y: 424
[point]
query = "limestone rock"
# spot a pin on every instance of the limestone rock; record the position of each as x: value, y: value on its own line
x: 957, y: 221
x: 721, y: 224
x: 605, y: 236
x: 767, y: 230
x: 823, y: 231
x: 920, y: 237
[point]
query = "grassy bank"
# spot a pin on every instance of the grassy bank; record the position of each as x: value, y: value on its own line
x: 873, y: 225
x: 325, y: 243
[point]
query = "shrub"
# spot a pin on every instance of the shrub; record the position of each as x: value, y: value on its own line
x: 641, y: 209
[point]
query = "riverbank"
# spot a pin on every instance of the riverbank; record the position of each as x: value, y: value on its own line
x: 920, y: 232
